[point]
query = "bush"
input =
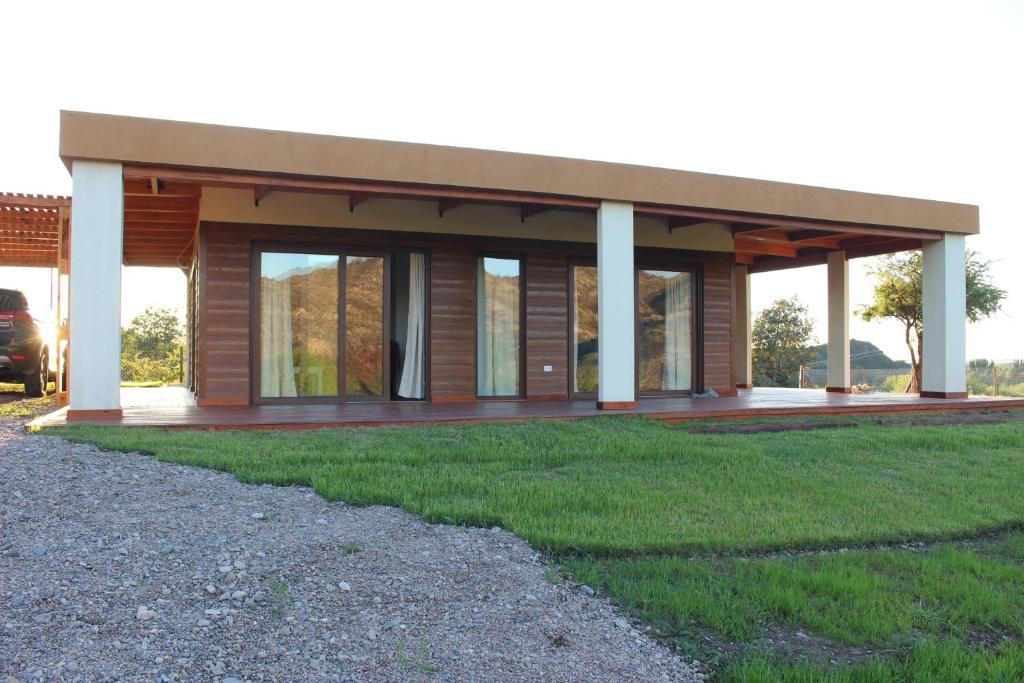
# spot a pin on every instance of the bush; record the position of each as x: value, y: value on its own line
x: 137, y: 368
x: 895, y: 384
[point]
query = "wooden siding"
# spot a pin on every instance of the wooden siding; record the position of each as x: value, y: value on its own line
x: 224, y: 319
x: 718, y: 302
x: 452, y: 324
x: 547, y: 326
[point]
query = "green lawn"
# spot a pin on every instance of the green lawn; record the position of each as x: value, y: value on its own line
x: 673, y: 526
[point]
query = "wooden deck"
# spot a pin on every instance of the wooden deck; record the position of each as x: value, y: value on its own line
x: 748, y: 403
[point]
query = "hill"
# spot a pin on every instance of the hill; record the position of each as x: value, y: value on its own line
x: 862, y: 355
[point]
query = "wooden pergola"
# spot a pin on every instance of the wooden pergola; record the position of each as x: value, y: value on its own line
x: 35, y: 233
x: 32, y: 228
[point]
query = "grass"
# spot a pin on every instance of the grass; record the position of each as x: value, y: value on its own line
x: 685, y: 530
x: 144, y: 385
x: 966, y: 591
x: 947, y: 662
x: 621, y: 486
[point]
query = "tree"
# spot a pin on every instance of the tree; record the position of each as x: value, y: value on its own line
x: 150, y: 346
x: 781, y: 339
x: 898, y: 295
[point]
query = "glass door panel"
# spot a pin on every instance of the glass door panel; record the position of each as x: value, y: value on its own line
x: 364, y: 327
x: 298, y: 325
x: 584, y: 294
x: 665, y: 320
x: 498, y: 325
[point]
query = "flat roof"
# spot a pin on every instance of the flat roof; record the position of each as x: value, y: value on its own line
x: 134, y: 140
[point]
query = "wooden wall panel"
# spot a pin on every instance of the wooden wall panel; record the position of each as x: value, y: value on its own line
x: 718, y: 302
x: 222, y: 315
x: 452, y: 324
x: 224, y: 349
x: 547, y: 325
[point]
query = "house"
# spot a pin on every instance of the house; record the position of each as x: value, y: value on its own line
x: 333, y: 270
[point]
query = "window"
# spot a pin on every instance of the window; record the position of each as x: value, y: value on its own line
x: 498, y: 326
x: 584, y: 334
x: 665, y: 321
x: 298, y: 325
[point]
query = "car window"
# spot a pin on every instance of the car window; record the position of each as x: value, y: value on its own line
x: 12, y: 301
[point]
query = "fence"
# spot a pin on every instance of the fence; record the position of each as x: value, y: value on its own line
x: 994, y: 379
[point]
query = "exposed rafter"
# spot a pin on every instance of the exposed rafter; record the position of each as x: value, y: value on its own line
x: 355, y: 199
x: 259, y: 192
x: 444, y: 205
x: 680, y: 222
x: 527, y: 210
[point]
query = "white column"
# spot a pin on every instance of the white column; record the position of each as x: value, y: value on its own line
x: 742, y: 344
x: 944, y: 308
x: 616, y: 328
x: 838, y: 323
x: 97, y: 222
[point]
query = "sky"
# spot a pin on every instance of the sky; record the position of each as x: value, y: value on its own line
x: 922, y: 99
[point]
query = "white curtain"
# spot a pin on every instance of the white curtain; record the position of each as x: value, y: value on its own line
x: 412, y: 368
x: 678, y: 325
x: 277, y: 372
x: 498, y: 332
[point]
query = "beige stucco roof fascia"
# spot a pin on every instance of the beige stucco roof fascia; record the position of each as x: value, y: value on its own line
x: 196, y: 145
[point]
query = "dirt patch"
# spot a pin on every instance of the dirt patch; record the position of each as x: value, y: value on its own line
x: 779, y: 642
x: 772, y: 427
x: 967, y: 418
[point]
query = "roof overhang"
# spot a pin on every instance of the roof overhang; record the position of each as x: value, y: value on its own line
x: 158, y: 142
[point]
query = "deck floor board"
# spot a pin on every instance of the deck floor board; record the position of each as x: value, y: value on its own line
x: 747, y: 404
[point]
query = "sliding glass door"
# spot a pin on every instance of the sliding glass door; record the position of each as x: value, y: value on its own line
x: 665, y: 324
x: 499, y: 322
x: 298, y: 325
x: 325, y: 326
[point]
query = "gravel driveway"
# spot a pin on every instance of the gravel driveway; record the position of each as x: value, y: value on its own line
x: 119, y: 567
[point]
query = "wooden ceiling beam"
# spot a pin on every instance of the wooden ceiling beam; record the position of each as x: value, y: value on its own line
x: 143, y: 187
x: 161, y: 203
x: 809, y: 235
x: 755, y: 247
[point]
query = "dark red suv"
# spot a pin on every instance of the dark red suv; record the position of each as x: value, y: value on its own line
x: 24, y: 344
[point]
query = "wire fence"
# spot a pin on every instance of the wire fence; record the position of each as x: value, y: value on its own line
x: 993, y: 378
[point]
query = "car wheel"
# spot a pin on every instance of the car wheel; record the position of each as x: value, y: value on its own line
x: 35, y: 384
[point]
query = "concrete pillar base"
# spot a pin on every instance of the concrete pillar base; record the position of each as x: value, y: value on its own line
x: 616, y: 405
x: 944, y: 394
x: 73, y: 415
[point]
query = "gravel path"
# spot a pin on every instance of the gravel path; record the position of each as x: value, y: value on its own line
x: 119, y: 567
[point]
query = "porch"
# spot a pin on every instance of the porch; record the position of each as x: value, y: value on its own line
x: 173, y: 409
